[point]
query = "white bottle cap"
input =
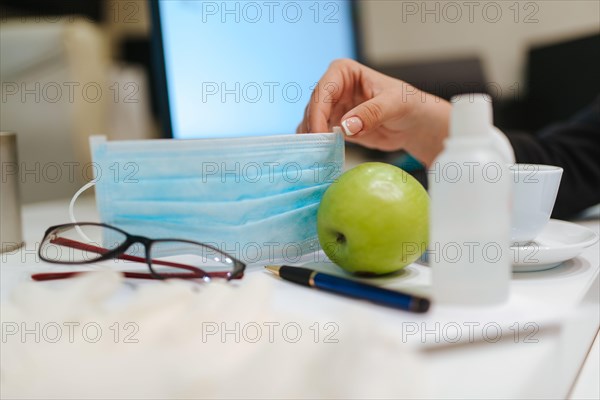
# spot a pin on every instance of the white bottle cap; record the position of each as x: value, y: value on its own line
x: 471, y: 115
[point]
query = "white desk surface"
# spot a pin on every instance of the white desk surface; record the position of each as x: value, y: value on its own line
x: 562, y: 302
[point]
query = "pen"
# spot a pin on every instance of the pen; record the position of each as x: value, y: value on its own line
x: 350, y: 288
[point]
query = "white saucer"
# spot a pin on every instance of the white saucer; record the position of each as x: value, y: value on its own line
x: 559, y: 241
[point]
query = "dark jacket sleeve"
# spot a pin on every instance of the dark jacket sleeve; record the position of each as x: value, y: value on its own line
x: 574, y: 146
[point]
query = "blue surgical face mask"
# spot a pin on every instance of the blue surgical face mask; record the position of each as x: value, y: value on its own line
x: 253, y: 197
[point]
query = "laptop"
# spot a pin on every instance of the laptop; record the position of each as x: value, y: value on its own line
x: 238, y: 68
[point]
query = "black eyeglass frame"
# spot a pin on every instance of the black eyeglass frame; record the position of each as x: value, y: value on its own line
x: 237, y: 272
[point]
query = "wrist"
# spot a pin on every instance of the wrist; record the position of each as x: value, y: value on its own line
x: 432, y: 117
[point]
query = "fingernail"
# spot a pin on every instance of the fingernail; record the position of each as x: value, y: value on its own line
x: 352, y: 126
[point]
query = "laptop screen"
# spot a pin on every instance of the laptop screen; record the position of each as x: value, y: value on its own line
x: 240, y: 68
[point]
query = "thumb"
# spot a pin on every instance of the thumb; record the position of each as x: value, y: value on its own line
x: 368, y: 115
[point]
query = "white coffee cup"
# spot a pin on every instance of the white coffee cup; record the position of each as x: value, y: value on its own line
x: 534, y: 193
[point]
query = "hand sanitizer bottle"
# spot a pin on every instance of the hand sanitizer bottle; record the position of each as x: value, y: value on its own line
x: 470, y: 190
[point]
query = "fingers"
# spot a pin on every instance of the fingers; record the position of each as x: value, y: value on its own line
x: 302, y: 127
x: 330, y: 89
x: 369, y: 115
x: 337, y: 91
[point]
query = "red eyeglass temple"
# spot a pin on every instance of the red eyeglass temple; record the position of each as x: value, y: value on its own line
x: 196, y: 272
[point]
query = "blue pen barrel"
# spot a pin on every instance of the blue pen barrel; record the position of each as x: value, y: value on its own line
x: 371, y: 293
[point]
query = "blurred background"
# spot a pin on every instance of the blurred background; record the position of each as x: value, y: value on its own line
x: 70, y: 69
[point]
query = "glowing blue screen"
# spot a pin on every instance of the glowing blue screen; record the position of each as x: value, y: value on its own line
x: 239, y: 68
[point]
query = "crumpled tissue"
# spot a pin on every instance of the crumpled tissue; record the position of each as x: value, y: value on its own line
x: 94, y: 337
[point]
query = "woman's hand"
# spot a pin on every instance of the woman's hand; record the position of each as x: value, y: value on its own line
x: 377, y: 111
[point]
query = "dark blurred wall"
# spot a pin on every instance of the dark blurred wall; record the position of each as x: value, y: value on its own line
x: 92, y: 9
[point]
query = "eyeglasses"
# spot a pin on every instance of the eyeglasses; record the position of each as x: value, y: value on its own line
x: 89, y: 242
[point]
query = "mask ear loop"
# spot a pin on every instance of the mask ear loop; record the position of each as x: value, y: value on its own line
x: 72, y: 205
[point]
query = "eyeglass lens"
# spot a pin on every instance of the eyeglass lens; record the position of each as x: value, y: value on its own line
x: 80, y: 243
x: 193, y: 254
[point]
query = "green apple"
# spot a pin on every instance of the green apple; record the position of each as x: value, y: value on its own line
x: 374, y: 219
